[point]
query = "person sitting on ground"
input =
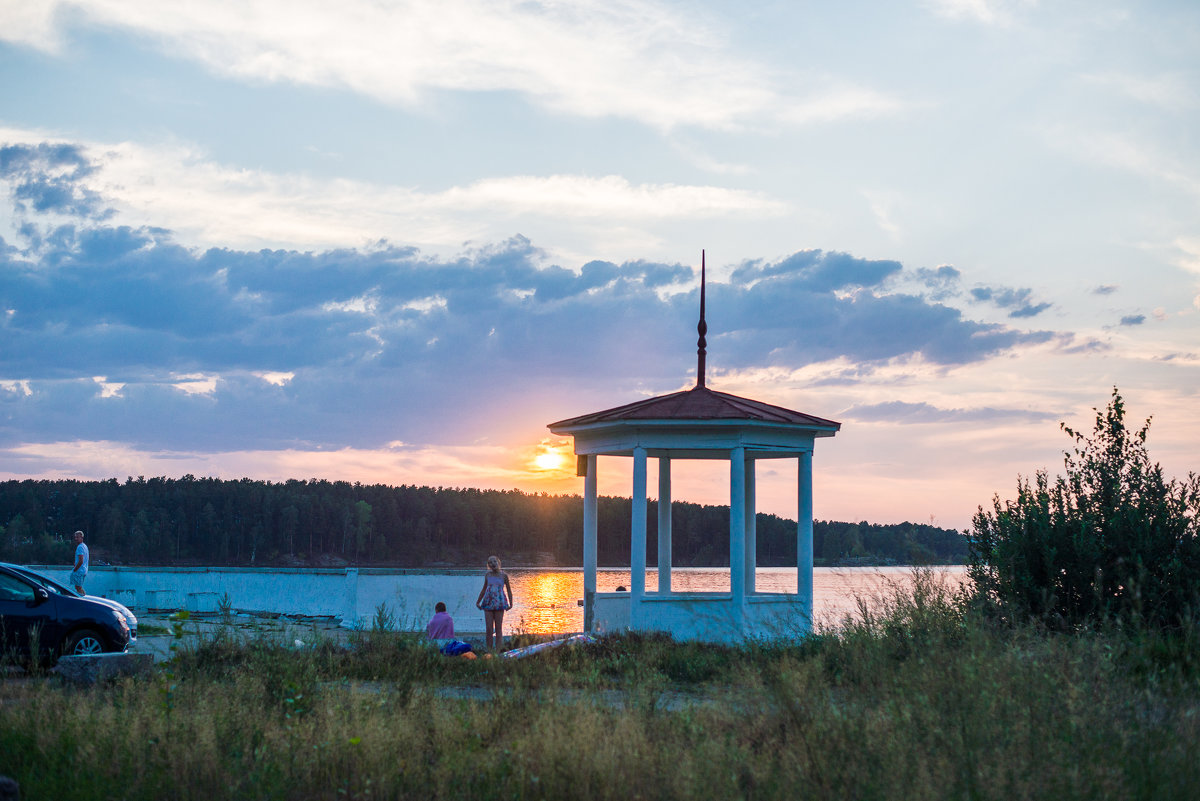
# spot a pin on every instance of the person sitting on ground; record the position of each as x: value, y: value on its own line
x: 441, y: 625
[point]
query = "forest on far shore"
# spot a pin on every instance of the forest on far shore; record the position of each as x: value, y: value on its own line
x: 319, y: 523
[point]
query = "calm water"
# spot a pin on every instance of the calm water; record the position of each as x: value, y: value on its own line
x: 547, y: 601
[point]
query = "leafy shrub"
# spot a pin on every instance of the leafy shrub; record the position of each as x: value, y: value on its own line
x: 1111, y: 540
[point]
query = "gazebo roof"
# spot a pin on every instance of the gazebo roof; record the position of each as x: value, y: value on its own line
x: 699, y: 404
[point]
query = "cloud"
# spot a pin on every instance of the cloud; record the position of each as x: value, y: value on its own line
x: 814, y: 306
x: 942, y: 281
x: 910, y: 413
x: 1167, y: 91
x: 1089, y: 345
x: 1018, y: 300
x: 1186, y: 253
x: 205, y: 203
x: 1105, y: 289
x: 120, y: 333
x: 371, y: 359
x: 700, y: 158
x: 1133, y: 319
x: 30, y: 23
x: 987, y: 12
x: 46, y: 178
x: 1138, y: 157
x: 819, y: 271
x: 635, y: 59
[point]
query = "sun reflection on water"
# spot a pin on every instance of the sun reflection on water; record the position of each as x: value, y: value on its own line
x: 549, y: 601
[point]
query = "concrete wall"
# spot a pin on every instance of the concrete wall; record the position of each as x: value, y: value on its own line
x: 710, y: 617
x: 350, y: 595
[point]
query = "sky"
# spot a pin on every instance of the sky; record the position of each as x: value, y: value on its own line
x: 389, y: 242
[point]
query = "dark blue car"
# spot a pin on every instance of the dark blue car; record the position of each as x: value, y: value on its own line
x: 58, y: 624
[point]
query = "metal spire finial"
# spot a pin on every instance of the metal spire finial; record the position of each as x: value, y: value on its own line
x: 702, y: 329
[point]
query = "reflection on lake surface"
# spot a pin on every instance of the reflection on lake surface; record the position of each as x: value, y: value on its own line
x: 547, y: 601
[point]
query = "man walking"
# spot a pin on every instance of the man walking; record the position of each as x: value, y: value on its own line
x: 79, y: 573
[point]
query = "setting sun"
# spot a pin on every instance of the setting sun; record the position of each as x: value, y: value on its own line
x: 551, y: 455
x: 549, y: 460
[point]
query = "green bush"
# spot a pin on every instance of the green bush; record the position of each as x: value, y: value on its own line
x: 1111, y: 540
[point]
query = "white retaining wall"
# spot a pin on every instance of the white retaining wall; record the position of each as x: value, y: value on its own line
x: 708, y: 617
x: 350, y: 595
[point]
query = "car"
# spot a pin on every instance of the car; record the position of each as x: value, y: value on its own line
x: 50, y: 584
x: 34, y: 618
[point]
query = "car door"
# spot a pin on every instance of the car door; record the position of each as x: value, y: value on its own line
x: 26, y: 610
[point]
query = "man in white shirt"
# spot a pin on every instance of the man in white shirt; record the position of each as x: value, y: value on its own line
x: 79, y: 573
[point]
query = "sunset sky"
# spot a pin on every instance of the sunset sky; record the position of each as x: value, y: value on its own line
x: 389, y: 242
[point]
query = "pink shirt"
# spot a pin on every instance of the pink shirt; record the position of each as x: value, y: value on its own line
x: 441, y: 627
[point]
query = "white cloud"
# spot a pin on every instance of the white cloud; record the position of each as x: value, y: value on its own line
x: 32, y: 24
x: 987, y: 12
x: 883, y: 205
x: 195, y: 383
x: 628, y: 58
x: 610, y: 196
x: 1124, y: 153
x: 364, y: 304
x: 839, y: 101
x: 1188, y: 254
x: 1167, y: 91
x: 108, y: 389
x: 276, y: 377
x: 705, y: 161
x: 426, y: 305
x: 206, y: 203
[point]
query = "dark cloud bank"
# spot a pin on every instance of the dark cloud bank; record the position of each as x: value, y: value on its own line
x: 389, y: 344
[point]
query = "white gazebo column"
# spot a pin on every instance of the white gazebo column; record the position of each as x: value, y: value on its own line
x: 637, y: 543
x: 664, y: 524
x: 804, y: 537
x: 737, y: 526
x: 589, y: 541
x: 751, y: 550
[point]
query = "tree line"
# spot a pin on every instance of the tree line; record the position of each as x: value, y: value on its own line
x: 189, y: 521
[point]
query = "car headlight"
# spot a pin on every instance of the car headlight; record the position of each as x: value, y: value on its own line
x: 121, y: 623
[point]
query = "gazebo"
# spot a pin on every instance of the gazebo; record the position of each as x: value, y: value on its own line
x: 698, y: 423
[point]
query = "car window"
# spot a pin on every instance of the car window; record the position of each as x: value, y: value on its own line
x: 47, y: 582
x: 13, y: 589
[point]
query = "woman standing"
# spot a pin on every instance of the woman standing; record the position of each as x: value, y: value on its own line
x: 494, y: 599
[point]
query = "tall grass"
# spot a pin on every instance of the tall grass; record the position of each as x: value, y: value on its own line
x: 910, y: 698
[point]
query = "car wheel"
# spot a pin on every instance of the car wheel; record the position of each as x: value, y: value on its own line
x: 83, y: 642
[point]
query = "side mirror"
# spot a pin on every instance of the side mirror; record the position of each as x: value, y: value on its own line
x: 40, y: 596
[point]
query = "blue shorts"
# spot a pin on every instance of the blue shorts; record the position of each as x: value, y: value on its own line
x: 77, y: 577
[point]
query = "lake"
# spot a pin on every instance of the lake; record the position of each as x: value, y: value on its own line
x: 546, y: 601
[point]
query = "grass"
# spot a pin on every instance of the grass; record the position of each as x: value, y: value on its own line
x: 910, y: 698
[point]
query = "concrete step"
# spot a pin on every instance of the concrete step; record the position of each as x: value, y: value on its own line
x: 90, y: 668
